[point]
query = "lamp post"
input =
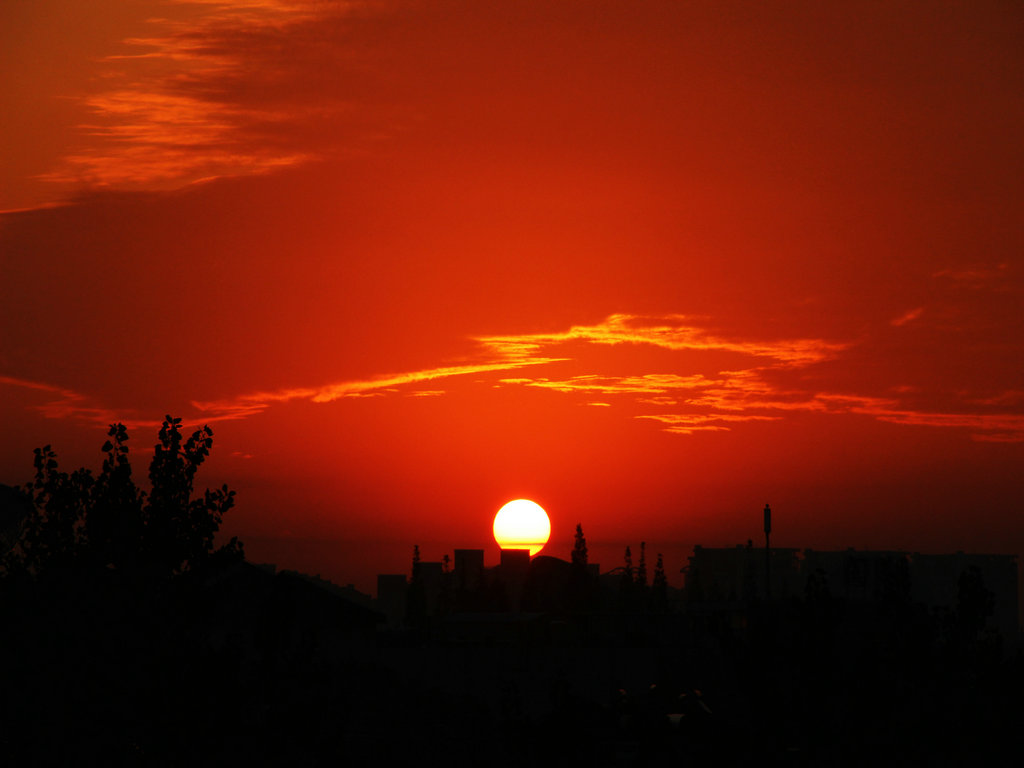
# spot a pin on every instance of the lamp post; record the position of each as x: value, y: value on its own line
x: 767, y: 552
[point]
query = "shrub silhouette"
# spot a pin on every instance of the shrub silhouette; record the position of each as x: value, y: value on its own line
x: 106, y: 522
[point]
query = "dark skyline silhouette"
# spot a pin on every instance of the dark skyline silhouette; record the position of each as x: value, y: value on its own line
x: 153, y: 646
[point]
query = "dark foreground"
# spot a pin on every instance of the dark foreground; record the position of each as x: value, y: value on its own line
x: 242, y: 666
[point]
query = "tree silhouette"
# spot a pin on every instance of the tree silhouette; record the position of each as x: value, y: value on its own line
x: 582, y: 593
x: 107, y: 522
x: 52, y: 536
x: 627, y: 558
x: 579, y: 549
x: 659, y: 585
x: 181, y: 529
x: 115, y: 526
x: 641, y: 568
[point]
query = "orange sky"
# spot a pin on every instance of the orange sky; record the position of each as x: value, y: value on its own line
x: 650, y: 264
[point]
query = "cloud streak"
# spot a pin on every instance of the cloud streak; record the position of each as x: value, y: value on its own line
x: 177, y: 109
x: 907, y: 317
x: 672, y: 332
x: 256, y: 402
x: 504, y: 353
x: 714, y: 403
x: 689, y: 423
x: 771, y: 387
x: 65, y: 403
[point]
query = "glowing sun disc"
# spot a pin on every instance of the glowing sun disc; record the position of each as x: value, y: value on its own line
x: 522, y: 524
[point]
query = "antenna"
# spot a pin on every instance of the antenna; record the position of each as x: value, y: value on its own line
x: 767, y: 551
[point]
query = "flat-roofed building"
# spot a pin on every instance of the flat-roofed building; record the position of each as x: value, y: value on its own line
x: 469, y: 569
x: 738, y: 573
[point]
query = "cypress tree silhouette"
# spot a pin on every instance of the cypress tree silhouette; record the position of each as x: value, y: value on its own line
x: 659, y: 585
x: 579, y: 549
x: 641, y: 568
x: 582, y: 594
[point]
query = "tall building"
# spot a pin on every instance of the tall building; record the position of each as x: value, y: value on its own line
x: 431, y: 578
x: 515, y: 564
x: 469, y: 569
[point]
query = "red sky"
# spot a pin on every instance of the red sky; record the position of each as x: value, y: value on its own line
x: 649, y: 264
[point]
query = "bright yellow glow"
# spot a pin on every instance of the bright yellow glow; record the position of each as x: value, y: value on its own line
x: 522, y: 524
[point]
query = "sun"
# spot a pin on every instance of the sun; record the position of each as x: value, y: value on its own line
x: 522, y: 524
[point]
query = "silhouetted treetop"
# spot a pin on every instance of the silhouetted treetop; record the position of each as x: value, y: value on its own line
x: 81, y: 521
x: 659, y: 581
x: 579, y: 549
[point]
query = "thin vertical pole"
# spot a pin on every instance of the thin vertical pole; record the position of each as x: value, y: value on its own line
x: 767, y: 552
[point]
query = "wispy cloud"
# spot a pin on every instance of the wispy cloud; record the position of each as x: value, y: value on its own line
x: 1004, y: 427
x: 973, y: 275
x: 652, y: 383
x: 177, y: 107
x: 909, y: 316
x: 149, y: 138
x: 256, y: 402
x: 63, y: 403
x: 773, y: 385
x: 672, y: 332
x: 1007, y: 397
x: 688, y: 423
x: 768, y: 389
